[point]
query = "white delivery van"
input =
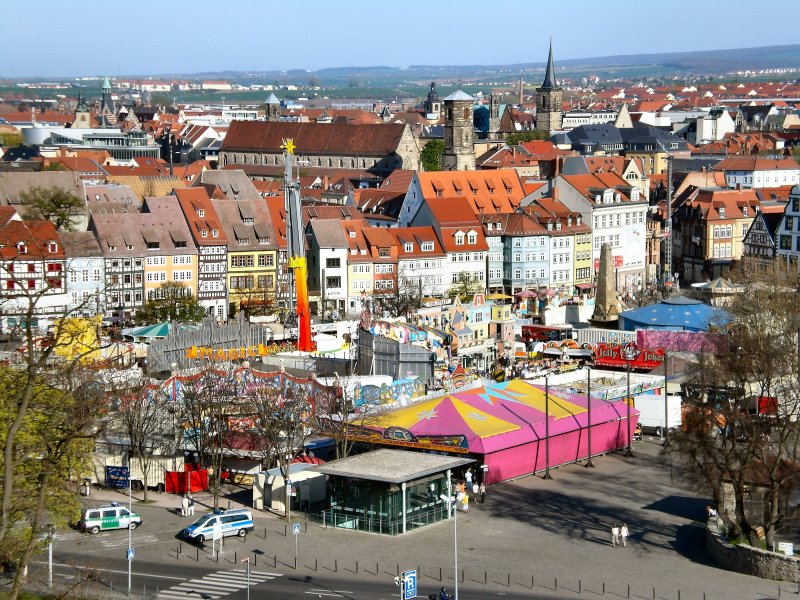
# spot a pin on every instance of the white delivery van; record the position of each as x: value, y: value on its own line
x: 231, y: 522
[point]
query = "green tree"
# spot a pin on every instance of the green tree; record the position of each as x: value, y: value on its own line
x: 724, y: 444
x: 527, y: 136
x: 53, y: 204
x: 465, y: 288
x: 10, y: 140
x: 431, y: 155
x: 171, y: 301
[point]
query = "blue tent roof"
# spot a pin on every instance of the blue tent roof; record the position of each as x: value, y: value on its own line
x: 677, y: 314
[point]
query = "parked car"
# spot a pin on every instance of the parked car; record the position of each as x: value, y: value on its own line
x: 104, y: 518
x: 238, y: 521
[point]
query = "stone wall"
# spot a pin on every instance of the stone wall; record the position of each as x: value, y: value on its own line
x: 748, y: 560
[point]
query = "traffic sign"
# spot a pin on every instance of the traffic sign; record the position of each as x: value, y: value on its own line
x: 409, y: 584
x: 296, y: 528
x: 130, y: 553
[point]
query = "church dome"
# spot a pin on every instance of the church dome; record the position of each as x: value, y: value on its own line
x: 433, y: 95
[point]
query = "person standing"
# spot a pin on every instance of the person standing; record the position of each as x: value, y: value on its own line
x: 614, y: 534
x: 191, y: 506
x: 468, y: 478
x: 482, y: 492
x: 623, y: 533
x: 185, y: 505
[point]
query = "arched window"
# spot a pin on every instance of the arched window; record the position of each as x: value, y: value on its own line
x: 729, y: 231
x: 466, y: 112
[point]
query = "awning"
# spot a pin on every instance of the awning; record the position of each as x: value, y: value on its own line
x: 585, y: 286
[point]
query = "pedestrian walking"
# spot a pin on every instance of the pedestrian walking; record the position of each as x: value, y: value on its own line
x: 623, y: 533
x: 614, y: 535
x: 482, y: 492
x: 185, y: 505
x: 191, y: 505
x: 468, y: 478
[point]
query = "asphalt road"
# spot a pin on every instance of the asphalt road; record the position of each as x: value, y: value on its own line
x: 198, y: 582
x: 554, y: 531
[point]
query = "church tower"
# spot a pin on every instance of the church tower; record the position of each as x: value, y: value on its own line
x: 548, y: 99
x: 83, y: 116
x: 108, y: 113
x: 494, y: 115
x: 432, y: 105
x: 459, y: 130
x: 273, y: 108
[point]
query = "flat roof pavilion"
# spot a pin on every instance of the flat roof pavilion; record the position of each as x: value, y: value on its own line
x: 392, y: 466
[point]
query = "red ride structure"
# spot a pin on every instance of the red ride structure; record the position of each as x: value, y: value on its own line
x: 296, y: 253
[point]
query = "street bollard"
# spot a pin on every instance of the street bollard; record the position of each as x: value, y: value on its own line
x: 440, y: 573
x: 555, y: 587
x: 629, y: 590
x: 654, y: 593
x: 180, y: 548
x: 579, y: 589
x: 509, y: 580
x: 356, y: 567
x: 255, y: 558
x: 377, y: 569
x: 335, y: 565
x: 485, y: 578
x: 265, y: 533
x: 316, y: 567
x: 197, y: 554
x: 604, y: 588
x: 235, y: 558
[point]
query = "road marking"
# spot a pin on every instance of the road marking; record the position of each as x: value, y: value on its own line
x: 99, y: 570
x: 215, y: 585
x: 323, y: 593
x: 139, y: 540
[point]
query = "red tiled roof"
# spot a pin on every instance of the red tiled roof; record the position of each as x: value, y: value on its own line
x: 495, y: 191
x: 756, y: 163
x: 196, y: 199
x: 314, y: 138
x: 415, y: 236
x: 35, y: 235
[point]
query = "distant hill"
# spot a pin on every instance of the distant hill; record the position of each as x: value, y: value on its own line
x: 706, y: 62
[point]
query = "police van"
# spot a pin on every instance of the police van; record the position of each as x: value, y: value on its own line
x: 103, y: 518
x: 230, y: 522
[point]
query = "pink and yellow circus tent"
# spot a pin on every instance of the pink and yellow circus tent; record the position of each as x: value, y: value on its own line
x: 504, y: 424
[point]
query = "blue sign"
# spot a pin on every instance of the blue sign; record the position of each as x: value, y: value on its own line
x: 409, y: 584
x: 296, y: 528
x: 130, y: 553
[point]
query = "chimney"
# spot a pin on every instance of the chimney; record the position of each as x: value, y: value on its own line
x: 738, y: 187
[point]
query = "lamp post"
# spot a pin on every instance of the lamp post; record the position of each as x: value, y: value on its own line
x: 50, y: 531
x: 451, y: 501
x: 130, y: 531
x: 589, y: 463
x: 630, y: 351
x: 547, y: 428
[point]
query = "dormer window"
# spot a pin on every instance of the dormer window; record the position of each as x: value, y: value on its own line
x: 363, y: 250
x: 499, y: 226
x: 488, y: 226
x: 608, y: 197
x: 578, y: 220
x: 130, y: 246
x: 22, y: 248
x: 549, y: 227
x: 427, y: 246
x: 215, y: 233
x: 204, y: 233
x: 248, y: 220
x: 569, y: 221
x: 459, y: 239
x: 617, y: 197
x: 352, y: 234
x: 201, y: 212
x: 558, y: 226
x: 721, y: 212
x: 472, y: 238
x: 408, y: 247
x: 52, y: 247
x: 744, y: 211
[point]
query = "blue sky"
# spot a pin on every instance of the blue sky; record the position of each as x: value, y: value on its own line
x: 52, y: 38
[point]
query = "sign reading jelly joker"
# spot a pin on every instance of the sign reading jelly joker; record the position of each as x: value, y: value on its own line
x: 606, y: 355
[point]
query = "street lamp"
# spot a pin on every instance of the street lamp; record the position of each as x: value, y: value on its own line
x: 630, y: 351
x: 452, y: 502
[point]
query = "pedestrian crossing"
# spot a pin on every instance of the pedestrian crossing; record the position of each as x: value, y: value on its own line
x: 215, y: 585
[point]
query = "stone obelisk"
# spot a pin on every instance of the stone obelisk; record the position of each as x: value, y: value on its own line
x: 606, y: 304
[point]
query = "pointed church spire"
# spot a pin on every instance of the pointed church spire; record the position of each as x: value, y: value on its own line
x: 549, y: 82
